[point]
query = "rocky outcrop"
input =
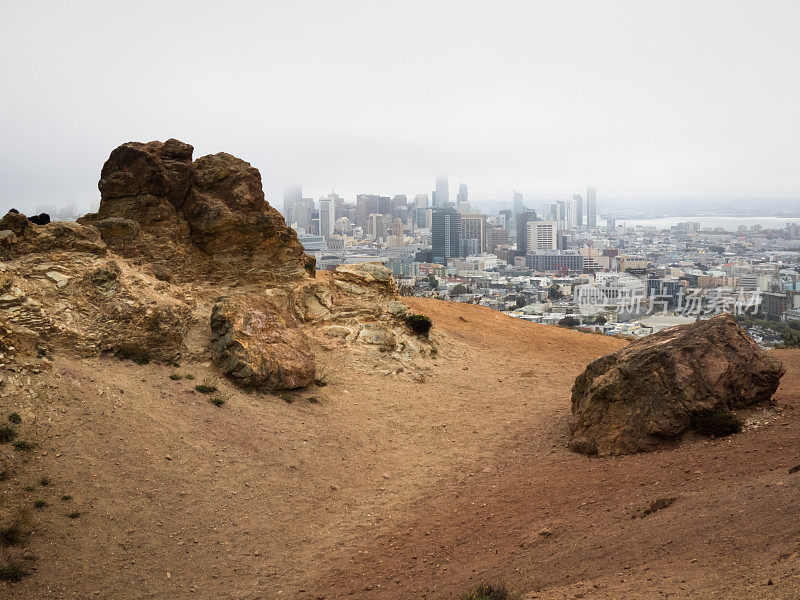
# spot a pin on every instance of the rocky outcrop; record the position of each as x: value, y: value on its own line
x: 142, y: 278
x: 203, y: 219
x: 20, y: 236
x: 87, y: 305
x: 257, y: 343
x: 646, y: 394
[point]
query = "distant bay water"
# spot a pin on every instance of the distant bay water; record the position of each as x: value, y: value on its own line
x: 707, y: 222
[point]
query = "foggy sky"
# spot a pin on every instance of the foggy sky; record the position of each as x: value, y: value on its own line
x: 638, y: 97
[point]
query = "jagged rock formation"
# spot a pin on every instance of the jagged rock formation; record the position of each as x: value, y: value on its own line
x: 185, y: 260
x: 645, y: 395
x: 204, y: 219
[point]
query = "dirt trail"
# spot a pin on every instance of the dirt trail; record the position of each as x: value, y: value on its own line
x: 393, y: 488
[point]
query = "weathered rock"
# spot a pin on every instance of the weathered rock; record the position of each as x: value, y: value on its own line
x: 645, y: 395
x: 204, y: 219
x: 26, y: 237
x: 259, y: 345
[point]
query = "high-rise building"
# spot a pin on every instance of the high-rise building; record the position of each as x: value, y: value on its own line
x: 445, y: 234
x: 292, y: 194
x: 522, y: 229
x: 421, y: 211
x: 571, y: 213
x: 327, y: 217
x: 579, y: 199
x: 368, y: 204
x: 462, y: 199
x: 591, y: 207
x: 542, y: 235
x: 442, y: 197
x: 497, y: 237
x: 519, y: 203
x: 473, y: 235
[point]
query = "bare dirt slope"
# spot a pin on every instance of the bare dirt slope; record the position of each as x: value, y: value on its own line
x: 389, y: 487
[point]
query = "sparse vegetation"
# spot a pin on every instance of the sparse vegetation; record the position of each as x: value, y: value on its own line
x: 569, y: 322
x: 29, y: 488
x: 15, y: 418
x: 189, y: 376
x: 175, y: 376
x: 74, y: 514
x: 40, y: 503
x: 44, y: 481
x: 287, y: 398
x: 24, y: 445
x: 7, y: 434
x: 206, y: 387
x: 313, y: 400
x: 217, y: 401
x: 66, y: 498
x: 419, y: 324
x: 719, y: 422
x: 488, y: 592
x: 12, y: 571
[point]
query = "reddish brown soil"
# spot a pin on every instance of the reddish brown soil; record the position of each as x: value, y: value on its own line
x: 391, y: 488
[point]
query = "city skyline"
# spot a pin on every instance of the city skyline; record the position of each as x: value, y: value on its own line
x: 658, y: 100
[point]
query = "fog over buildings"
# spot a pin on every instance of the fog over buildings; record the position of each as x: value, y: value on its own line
x: 656, y: 103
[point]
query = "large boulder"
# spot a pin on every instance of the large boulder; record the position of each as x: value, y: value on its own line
x: 258, y: 344
x: 646, y: 394
x: 205, y: 219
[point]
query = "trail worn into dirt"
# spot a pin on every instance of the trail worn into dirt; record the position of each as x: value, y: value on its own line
x: 388, y: 487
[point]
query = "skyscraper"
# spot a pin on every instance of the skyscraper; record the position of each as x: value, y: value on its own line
x: 473, y: 235
x: 445, y: 234
x: 327, y: 217
x: 571, y: 212
x: 522, y: 229
x: 579, y: 199
x: 519, y: 204
x: 591, y: 207
x: 291, y: 195
x: 462, y: 199
x: 442, y: 197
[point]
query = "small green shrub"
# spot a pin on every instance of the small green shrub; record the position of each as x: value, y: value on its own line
x: 40, y: 504
x: 15, y: 418
x: 189, y: 376
x: 205, y: 388
x: 419, y: 324
x: 7, y: 434
x: 24, y: 445
x: 719, y: 422
x: 66, y: 498
x: 44, y: 481
x: 287, y: 398
x: 11, y: 571
x: 488, y: 592
x: 175, y: 376
x: 217, y: 401
x: 313, y: 400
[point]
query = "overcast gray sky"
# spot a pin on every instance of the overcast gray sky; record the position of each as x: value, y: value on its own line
x: 639, y: 97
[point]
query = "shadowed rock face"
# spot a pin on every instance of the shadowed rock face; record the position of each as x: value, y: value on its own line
x: 645, y: 395
x: 206, y: 218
